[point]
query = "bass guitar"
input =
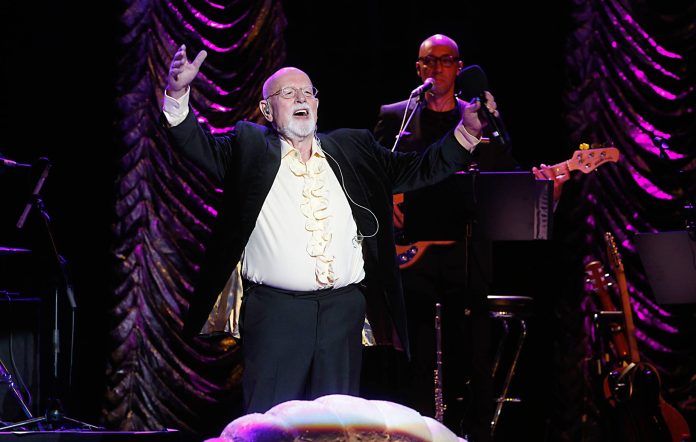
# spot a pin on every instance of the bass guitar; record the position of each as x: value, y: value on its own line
x: 583, y: 160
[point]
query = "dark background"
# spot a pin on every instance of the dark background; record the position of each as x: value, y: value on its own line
x: 58, y: 70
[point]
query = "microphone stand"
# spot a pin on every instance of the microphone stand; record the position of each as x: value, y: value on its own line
x: 405, y: 123
x: 689, y: 207
x: 54, y: 418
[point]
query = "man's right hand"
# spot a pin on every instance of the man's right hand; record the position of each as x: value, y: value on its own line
x: 471, y: 120
x: 182, y: 72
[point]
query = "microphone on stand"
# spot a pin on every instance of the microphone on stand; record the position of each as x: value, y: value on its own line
x: 423, y: 88
x: 417, y: 92
x: 470, y: 84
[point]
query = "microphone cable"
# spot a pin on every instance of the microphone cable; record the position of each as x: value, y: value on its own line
x: 359, y: 237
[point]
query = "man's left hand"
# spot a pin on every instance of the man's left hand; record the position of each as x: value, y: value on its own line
x: 559, y: 174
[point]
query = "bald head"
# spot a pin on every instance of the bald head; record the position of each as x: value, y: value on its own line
x: 282, y: 77
x: 438, y: 58
x: 438, y: 40
x: 293, y: 116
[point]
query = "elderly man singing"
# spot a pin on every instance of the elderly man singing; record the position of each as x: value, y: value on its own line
x: 309, y: 215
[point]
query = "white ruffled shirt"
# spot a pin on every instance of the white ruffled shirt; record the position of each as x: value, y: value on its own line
x: 304, y: 235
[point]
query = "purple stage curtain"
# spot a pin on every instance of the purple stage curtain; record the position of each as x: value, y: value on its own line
x: 165, y: 208
x: 630, y: 79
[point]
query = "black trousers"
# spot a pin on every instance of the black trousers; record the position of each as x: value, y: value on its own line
x: 300, y: 345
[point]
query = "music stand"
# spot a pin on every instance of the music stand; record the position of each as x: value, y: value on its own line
x: 669, y: 259
x: 503, y: 206
x: 480, y: 207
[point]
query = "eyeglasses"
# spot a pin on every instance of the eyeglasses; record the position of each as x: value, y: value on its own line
x: 289, y: 92
x: 447, y: 61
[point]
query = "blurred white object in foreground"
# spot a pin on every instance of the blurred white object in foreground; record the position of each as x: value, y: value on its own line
x: 337, y: 418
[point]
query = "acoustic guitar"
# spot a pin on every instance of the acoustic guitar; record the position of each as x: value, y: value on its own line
x: 633, y: 388
x: 583, y: 160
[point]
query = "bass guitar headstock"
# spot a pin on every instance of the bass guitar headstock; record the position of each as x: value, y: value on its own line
x: 587, y: 160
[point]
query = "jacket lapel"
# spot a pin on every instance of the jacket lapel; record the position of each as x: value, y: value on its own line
x: 353, y: 186
x: 266, y: 163
x: 413, y: 132
x: 416, y: 129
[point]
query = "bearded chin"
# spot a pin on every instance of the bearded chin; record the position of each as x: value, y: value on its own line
x: 299, y: 129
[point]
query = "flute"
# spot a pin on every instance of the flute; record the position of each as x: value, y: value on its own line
x: 439, y: 404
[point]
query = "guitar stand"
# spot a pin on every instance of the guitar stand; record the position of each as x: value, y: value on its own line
x: 605, y: 322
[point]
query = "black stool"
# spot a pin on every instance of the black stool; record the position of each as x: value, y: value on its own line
x: 508, y: 309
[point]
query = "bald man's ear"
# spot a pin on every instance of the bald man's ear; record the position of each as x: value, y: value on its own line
x: 266, y: 110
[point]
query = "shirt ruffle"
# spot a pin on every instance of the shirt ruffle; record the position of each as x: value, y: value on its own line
x: 314, y: 207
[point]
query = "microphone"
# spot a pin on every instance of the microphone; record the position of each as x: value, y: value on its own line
x: 423, y: 88
x: 470, y: 84
x: 9, y: 163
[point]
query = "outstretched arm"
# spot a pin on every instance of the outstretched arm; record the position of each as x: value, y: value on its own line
x: 207, y: 151
x: 182, y: 72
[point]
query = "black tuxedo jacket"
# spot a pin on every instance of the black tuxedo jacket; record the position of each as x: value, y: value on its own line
x: 246, y: 162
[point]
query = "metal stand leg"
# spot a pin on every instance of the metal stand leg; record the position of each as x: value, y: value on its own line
x: 507, y: 309
x: 6, y: 378
x: 502, y: 399
x: 501, y: 347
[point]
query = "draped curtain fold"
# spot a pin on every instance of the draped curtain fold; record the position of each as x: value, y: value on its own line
x: 165, y: 208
